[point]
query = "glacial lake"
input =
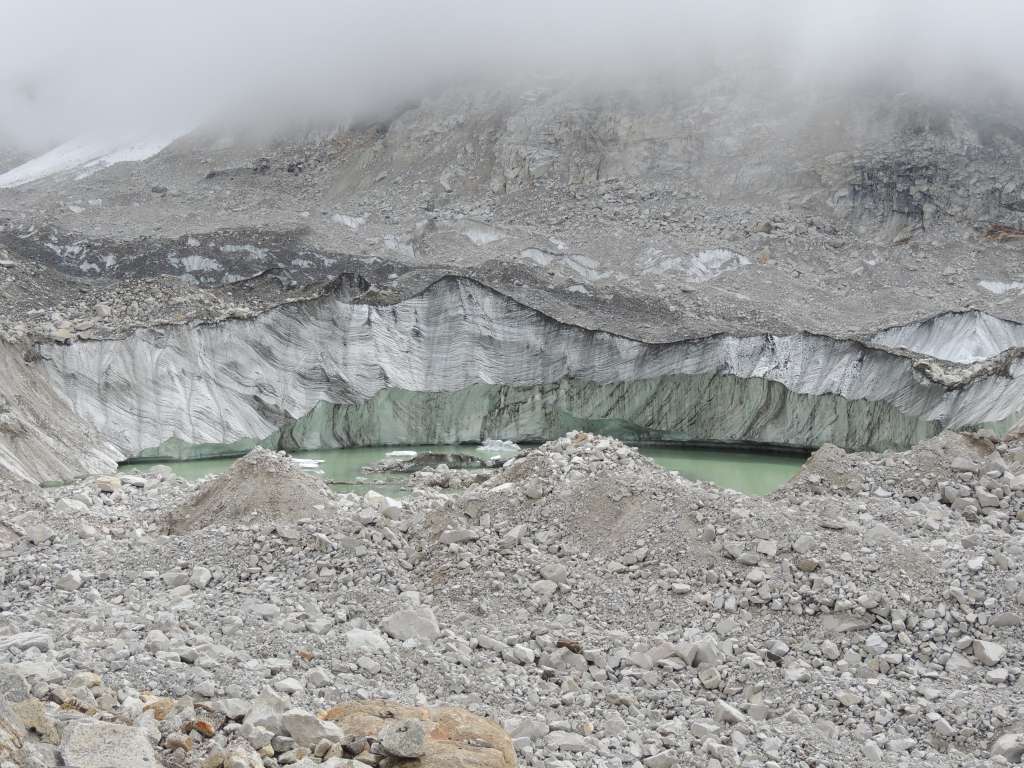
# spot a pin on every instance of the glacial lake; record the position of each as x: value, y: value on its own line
x: 750, y: 471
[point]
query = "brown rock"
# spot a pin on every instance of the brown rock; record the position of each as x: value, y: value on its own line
x: 455, y: 737
x: 573, y: 645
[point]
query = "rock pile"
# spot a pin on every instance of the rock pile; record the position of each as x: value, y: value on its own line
x: 261, y: 487
x: 600, y: 610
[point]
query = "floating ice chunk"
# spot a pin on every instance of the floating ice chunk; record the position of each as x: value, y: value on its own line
x: 308, y: 463
x: 503, y: 446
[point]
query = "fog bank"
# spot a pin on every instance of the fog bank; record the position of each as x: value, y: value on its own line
x: 132, y: 67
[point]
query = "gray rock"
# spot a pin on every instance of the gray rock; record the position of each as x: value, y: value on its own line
x: 879, y: 534
x: 412, y: 624
x: 872, y: 752
x: 200, y: 577
x: 233, y: 709
x: 529, y: 727
x: 108, y: 483
x: 664, y: 759
x: 567, y: 741
x: 70, y: 581
x: 533, y: 489
x: 96, y: 744
x: 544, y: 587
x: 555, y: 572
x: 288, y: 685
x: 266, y: 711
x: 404, y: 738
x: 988, y: 653
x: 25, y: 640
x: 459, y: 536
x: 1009, y: 746
x: 38, y: 534
x: 963, y: 464
x: 366, y: 641
x: 1006, y: 619
x: 307, y: 729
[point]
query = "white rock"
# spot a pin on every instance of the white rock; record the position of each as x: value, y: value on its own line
x: 96, y: 744
x: 70, y: 581
x: 307, y: 729
x: 200, y: 577
x: 1010, y: 746
x: 988, y: 653
x: 566, y: 741
x: 366, y: 641
x: 413, y: 623
x: 288, y: 685
x: 38, y: 534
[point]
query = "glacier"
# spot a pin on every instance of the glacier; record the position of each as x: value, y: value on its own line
x: 461, y: 362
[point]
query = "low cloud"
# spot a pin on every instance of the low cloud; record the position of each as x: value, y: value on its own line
x: 131, y: 67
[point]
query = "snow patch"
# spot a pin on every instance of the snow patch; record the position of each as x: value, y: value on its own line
x: 400, y: 246
x: 479, y: 233
x: 259, y: 253
x: 584, y: 266
x: 86, y: 156
x: 196, y: 263
x: 352, y: 222
x: 701, y: 267
x: 998, y: 287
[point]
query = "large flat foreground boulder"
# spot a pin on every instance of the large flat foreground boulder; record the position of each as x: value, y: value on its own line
x: 426, y: 737
x: 95, y: 744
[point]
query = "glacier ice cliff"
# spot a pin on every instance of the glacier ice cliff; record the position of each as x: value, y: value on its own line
x: 461, y: 361
x: 40, y: 437
x: 961, y: 337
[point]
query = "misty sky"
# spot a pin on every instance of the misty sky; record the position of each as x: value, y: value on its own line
x: 70, y: 67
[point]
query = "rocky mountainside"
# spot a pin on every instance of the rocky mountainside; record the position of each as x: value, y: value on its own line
x: 848, y: 269
x: 733, y: 263
x: 807, y: 212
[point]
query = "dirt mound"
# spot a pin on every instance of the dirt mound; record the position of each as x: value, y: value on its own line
x: 913, y: 473
x: 261, y: 487
x: 590, y: 492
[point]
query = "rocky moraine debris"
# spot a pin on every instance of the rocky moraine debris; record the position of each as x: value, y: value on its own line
x: 577, y: 607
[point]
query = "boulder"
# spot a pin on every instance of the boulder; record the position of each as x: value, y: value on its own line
x: 412, y: 624
x: 366, y: 641
x: 95, y: 744
x: 1009, y: 746
x: 988, y: 653
x: 404, y: 738
x: 452, y: 737
x: 13, y: 738
x: 307, y: 729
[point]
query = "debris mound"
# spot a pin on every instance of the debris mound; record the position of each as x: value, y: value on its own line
x: 594, y: 491
x: 261, y: 487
